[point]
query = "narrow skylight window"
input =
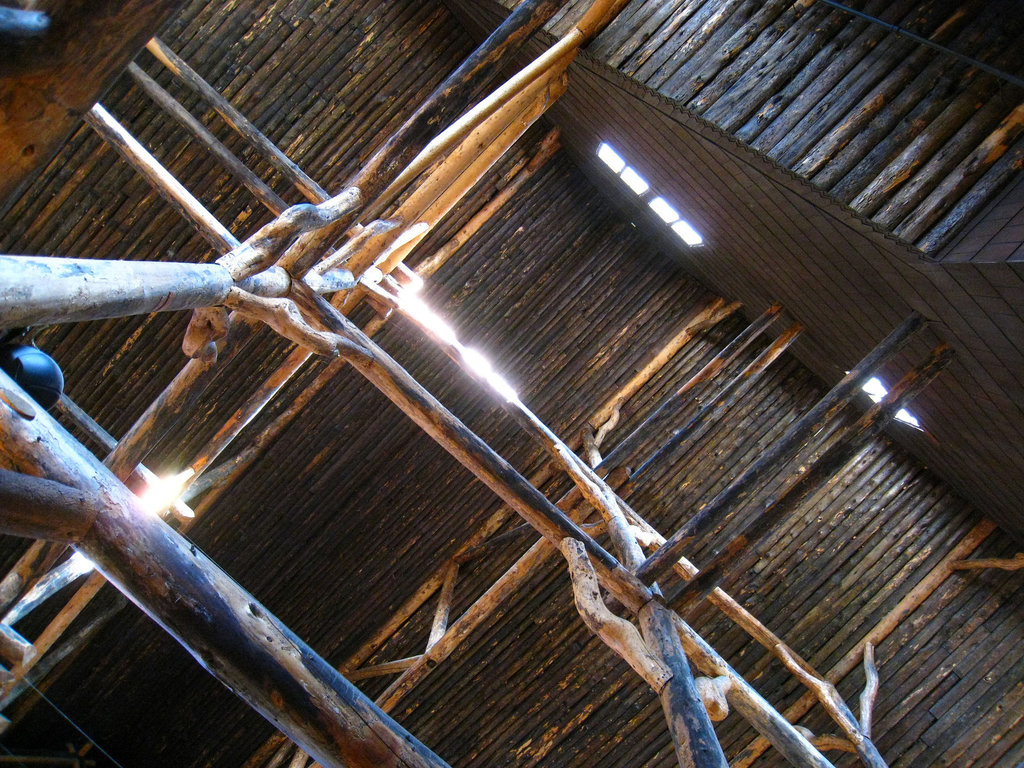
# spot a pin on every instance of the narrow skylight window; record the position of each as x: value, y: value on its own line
x: 876, y: 390
x: 690, y: 235
x: 661, y: 207
x: 611, y: 158
x: 634, y: 181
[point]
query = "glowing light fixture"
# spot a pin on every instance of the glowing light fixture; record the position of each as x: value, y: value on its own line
x: 666, y: 212
x: 634, y: 181
x: 876, y: 390
x: 690, y: 235
x: 611, y: 158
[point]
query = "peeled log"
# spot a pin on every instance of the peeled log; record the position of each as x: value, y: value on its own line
x: 43, y: 290
x: 221, y: 624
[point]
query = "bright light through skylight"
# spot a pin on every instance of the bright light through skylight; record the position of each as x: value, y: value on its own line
x: 639, y: 185
x: 690, y: 235
x: 634, y: 181
x: 611, y: 158
x: 876, y: 390
x: 661, y: 207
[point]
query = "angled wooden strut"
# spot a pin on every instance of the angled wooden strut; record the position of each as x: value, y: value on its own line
x: 224, y: 627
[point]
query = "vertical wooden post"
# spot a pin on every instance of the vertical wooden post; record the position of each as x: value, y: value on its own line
x: 688, y: 721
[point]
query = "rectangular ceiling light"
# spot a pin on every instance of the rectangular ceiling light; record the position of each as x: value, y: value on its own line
x: 634, y: 181
x: 690, y: 235
x: 611, y: 158
x: 661, y: 207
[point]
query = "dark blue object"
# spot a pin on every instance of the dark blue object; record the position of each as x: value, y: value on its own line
x: 17, y: 24
x: 34, y: 371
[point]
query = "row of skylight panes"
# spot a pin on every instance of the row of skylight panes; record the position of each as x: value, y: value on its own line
x: 874, y: 387
x: 659, y: 205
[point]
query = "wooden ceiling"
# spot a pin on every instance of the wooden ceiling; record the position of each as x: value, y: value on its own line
x: 351, y: 507
x: 772, y: 235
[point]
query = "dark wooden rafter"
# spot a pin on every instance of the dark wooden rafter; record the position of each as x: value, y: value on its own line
x: 221, y: 625
x: 113, y: 524
x: 107, y: 525
x: 274, y: 239
x: 783, y: 449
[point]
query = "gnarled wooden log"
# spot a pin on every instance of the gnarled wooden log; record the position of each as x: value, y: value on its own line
x: 223, y: 626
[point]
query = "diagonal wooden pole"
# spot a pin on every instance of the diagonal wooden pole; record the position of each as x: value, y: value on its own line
x: 224, y: 628
x: 783, y: 449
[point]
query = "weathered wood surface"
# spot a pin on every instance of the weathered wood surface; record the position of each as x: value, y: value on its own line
x: 183, y: 201
x: 782, y: 450
x: 846, y: 103
x: 267, y: 149
x: 213, y: 145
x: 48, y: 82
x: 550, y: 321
x: 839, y: 453
x: 226, y: 630
x: 41, y: 291
x: 38, y: 508
x: 688, y: 721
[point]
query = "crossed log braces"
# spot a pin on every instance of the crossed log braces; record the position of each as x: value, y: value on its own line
x: 351, y: 246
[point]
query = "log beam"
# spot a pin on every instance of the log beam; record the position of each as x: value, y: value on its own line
x: 48, y: 83
x: 223, y: 626
x: 43, y: 509
x: 782, y: 450
x: 868, y: 426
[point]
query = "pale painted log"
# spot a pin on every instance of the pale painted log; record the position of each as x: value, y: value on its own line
x: 53, y: 582
x: 870, y: 692
x: 714, y: 693
x: 36, y: 561
x: 617, y: 633
x: 833, y: 703
x: 41, y: 290
x: 224, y: 628
x: 444, y: 605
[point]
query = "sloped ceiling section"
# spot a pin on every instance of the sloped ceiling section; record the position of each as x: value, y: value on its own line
x: 352, y: 506
x: 772, y: 236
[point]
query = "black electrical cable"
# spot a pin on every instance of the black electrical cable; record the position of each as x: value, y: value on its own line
x: 925, y: 41
x: 73, y: 724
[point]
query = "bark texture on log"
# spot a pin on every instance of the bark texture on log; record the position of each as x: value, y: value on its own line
x: 221, y: 625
